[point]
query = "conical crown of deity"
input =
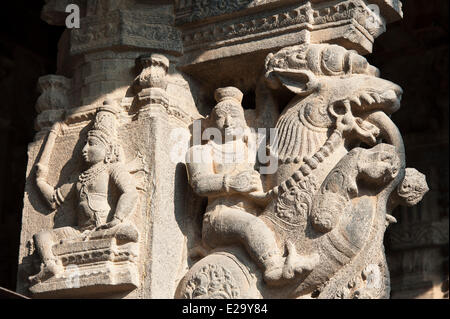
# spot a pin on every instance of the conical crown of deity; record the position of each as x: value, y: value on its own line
x: 105, y: 123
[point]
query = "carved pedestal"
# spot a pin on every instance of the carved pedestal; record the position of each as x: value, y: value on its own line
x: 91, y: 269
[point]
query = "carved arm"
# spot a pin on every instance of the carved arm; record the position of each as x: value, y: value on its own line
x: 54, y: 197
x: 209, y: 185
x: 202, y: 177
x: 206, y: 182
x: 128, y: 199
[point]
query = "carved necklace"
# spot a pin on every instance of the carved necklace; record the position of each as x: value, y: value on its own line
x: 91, y: 173
x: 235, y: 152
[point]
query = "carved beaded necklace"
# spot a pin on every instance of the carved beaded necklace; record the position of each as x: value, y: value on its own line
x: 90, y: 174
x: 235, y: 152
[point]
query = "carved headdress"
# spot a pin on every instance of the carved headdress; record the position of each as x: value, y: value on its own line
x: 227, y: 97
x: 105, y: 129
x: 231, y: 97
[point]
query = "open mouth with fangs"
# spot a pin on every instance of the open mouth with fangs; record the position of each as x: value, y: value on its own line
x: 388, y: 101
x: 350, y: 113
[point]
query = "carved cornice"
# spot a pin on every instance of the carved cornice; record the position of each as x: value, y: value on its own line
x: 157, y: 97
x: 125, y: 28
x: 79, y: 116
x: 305, y: 16
x: 196, y: 11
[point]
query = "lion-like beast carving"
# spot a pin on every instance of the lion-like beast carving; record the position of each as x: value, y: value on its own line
x: 336, y: 89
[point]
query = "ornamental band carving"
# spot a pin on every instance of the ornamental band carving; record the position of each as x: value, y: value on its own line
x: 313, y: 220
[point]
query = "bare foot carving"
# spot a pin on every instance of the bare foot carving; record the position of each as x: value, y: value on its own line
x: 49, y: 268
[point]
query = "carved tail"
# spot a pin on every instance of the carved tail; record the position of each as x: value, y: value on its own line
x: 389, y: 132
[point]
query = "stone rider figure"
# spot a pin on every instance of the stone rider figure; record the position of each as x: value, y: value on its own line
x: 223, y: 170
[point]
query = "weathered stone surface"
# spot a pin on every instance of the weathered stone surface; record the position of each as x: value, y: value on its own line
x: 192, y: 11
x: 277, y: 24
x: 121, y: 159
x: 323, y: 231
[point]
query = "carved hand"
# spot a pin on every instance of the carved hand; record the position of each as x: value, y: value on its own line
x: 110, y: 224
x: 260, y: 197
x: 246, y: 182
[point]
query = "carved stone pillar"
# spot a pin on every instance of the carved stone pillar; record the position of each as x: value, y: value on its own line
x: 112, y: 58
x: 118, y: 125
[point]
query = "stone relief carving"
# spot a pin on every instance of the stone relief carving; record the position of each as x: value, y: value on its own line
x: 151, y: 84
x: 296, y: 15
x: 202, y: 9
x: 412, y: 188
x: 54, y: 92
x: 321, y: 222
x: 119, y: 27
x: 225, y: 174
x: 154, y: 71
x: 103, y: 234
x: 213, y: 282
x: 311, y: 229
x: 53, y: 99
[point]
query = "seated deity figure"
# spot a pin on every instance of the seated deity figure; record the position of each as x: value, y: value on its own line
x: 224, y: 171
x: 102, y: 155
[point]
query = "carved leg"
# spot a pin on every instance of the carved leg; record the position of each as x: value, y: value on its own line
x: 44, y: 242
x: 296, y: 263
x: 230, y: 226
x: 124, y: 232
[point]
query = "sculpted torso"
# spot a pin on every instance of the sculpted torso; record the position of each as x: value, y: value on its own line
x: 93, y: 200
x: 229, y: 159
x: 93, y: 206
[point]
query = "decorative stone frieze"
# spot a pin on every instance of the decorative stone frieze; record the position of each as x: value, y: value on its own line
x: 354, y: 24
x: 122, y: 28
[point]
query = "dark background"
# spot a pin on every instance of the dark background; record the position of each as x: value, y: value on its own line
x: 412, y: 53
